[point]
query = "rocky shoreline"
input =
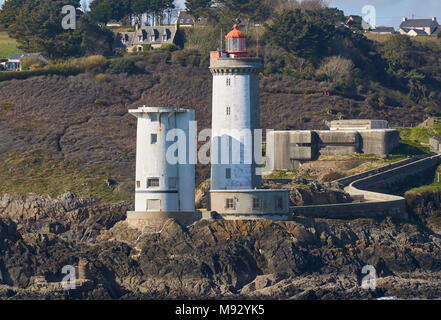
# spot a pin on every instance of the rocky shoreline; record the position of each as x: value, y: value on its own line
x: 302, y: 259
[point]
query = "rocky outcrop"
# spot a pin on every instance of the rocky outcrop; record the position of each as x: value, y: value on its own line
x: 75, y: 218
x: 302, y: 259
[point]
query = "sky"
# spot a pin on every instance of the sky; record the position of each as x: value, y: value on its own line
x: 388, y: 12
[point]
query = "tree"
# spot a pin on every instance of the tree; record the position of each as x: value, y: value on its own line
x: 95, y: 40
x: 103, y: 11
x: 250, y: 10
x: 396, y: 51
x: 197, y: 8
x: 157, y: 8
x: 303, y: 34
x: 9, y: 12
x: 37, y: 28
x: 139, y: 7
x: 304, y: 5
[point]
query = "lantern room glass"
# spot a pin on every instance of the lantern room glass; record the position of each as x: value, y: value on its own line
x: 236, y: 44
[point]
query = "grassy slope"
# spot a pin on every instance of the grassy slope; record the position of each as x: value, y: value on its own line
x: 8, y: 46
x: 84, y: 119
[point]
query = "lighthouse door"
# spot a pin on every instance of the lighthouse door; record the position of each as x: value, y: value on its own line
x: 153, y: 205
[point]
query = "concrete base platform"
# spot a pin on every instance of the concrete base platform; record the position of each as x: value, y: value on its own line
x: 154, y: 221
x: 212, y: 215
x: 257, y: 203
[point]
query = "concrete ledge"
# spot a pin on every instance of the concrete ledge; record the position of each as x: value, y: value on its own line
x: 141, y: 220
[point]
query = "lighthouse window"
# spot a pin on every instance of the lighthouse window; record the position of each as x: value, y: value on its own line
x: 228, y: 111
x: 228, y: 173
x: 172, y: 183
x: 153, y: 138
x: 228, y: 82
x: 152, y: 182
x: 229, y: 204
x: 257, y: 204
x: 279, y: 204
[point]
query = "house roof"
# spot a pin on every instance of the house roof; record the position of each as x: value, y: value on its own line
x: 418, y: 23
x: 383, y: 29
x: 132, y: 38
x: 185, y: 18
x: 18, y: 56
x: 418, y: 32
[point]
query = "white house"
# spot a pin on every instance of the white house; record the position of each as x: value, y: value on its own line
x: 414, y: 27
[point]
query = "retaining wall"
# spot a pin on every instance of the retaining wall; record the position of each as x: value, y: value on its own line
x: 378, y: 204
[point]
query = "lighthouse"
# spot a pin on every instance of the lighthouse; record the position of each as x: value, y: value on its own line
x: 235, y: 149
x: 235, y: 115
x: 165, y: 167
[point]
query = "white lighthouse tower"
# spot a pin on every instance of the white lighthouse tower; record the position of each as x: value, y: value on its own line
x: 165, y: 167
x: 235, y: 174
x: 236, y: 113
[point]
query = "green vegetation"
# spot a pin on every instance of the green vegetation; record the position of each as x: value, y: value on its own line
x: 37, y: 27
x: 65, y: 68
x: 35, y: 172
x: 434, y: 187
x: 354, y: 156
x: 8, y: 46
x: 415, y: 140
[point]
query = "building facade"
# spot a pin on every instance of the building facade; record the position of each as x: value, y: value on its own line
x: 145, y: 37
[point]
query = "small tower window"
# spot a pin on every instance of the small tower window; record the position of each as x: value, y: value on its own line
x: 229, y: 204
x: 172, y: 183
x: 152, y: 182
x: 257, y: 204
x: 153, y: 138
x: 228, y: 82
x: 138, y: 184
x: 279, y: 204
x: 228, y: 173
x: 228, y: 111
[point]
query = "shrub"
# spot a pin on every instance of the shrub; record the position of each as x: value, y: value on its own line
x: 332, y: 176
x: 123, y: 66
x: 93, y: 63
x: 168, y: 47
x: 101, y: 78
x: 6, y: 106
x: 336, y: 69
x: 146, y: 47
x: 30, y: 63
x: 187, y: 58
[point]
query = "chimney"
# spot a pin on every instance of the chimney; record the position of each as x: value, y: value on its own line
x: 404, y: 19
x: 434, y: 19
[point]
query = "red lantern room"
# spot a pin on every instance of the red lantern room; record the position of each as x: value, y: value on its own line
x: 236, y: 43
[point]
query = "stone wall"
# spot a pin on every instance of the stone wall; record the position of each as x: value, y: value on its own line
x: 377, y: 204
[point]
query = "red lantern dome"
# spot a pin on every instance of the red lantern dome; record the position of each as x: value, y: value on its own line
x: 236, y: 43
x: 235, y: 33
